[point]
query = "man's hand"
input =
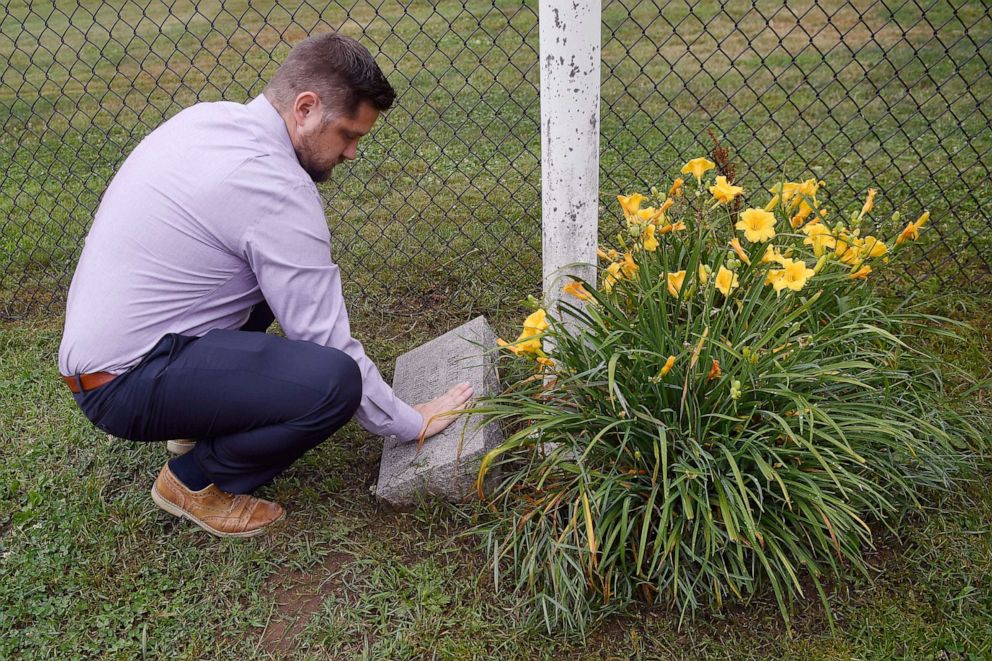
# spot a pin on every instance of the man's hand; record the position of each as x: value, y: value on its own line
x: 434, y: 410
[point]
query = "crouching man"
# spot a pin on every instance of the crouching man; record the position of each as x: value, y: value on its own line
x: 211, y: 229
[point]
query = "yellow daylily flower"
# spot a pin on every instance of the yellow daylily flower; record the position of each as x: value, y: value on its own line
x: 772, y: 203
x: 697, y: 167
x: 869, y: 203
x: 575, y: 288
x: 631, y: 203
x: 799, y: 197
x: 676, y: 188
x: 675, y: 281
x: 912, y: 230
x: 520, y: 347
x: 665, y: 229
x: 861, y: 273
x: 736, y: 245
x: 704, y: 273
x: 772, y: 255
x: 607, y: 256
x: 726, y: 281
x: 872, y: 247
x: 848, y: 249
x: 658, y: 215
x: 793, y: 275
x: 629, y: 266
x: 792, y: 192
x: 758, y: 225
x: 805, y: 210
x: 650, y: 243
x: 667, y: 367
x: 528, y: 342
x: 645, y: 215
x: 786, y: 190
x: 536, y: 321
x: 820, y: 237
x: 613, y: 276
x: 723, y: 192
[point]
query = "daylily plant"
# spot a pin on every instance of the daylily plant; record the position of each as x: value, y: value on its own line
x: 728, y: 407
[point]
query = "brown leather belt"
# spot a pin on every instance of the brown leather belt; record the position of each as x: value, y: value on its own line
x: 83, y: 382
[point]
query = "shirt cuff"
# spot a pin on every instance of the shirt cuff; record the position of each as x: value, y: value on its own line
x: 407, y: 422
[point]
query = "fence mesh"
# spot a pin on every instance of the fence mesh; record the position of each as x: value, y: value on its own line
x: 443, y: 207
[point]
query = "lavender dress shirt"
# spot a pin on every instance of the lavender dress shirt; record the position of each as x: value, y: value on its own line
x: 210, y: 214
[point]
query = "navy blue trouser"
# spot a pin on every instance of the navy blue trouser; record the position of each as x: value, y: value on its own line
x: 254, y: 402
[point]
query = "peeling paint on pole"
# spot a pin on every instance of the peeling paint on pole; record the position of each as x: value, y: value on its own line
x: 570, y: 62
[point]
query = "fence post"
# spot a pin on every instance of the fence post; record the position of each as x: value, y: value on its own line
x: 570, y: 63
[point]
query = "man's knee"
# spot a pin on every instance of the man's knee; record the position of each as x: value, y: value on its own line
x: 345, y: 382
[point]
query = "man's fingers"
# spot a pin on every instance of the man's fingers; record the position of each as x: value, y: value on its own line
x: 449, y: 404
x: 452, y: 401
x: 441, y: 411
x: 459, y: 390
x: 456, y: 398
x: 457, y: 395
x: 461, y: 395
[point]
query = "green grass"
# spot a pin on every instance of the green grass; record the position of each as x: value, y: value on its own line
x: 437, y: 221
x: 449, y: 184
x: 89, y: 566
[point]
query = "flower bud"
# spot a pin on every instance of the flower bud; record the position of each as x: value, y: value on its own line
x: 735, y: 389
x: 896, y: 216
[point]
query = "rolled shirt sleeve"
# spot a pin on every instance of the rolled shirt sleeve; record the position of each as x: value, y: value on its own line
x: 288, y: 249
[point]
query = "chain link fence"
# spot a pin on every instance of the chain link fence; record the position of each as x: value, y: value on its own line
x: 443, y: 206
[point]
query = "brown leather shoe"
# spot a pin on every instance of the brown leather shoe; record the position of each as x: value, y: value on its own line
x: 219, y: 513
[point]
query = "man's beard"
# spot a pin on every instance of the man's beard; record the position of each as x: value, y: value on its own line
x: 319, y: 172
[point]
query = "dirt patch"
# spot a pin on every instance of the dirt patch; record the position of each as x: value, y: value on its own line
x: 298, y: 596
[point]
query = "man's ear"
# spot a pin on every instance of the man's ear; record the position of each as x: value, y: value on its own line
x: 306, y: 108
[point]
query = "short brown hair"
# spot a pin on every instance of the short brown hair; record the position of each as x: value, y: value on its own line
x: 337, y: 69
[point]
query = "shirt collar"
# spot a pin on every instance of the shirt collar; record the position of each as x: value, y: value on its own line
x: 272, y: 123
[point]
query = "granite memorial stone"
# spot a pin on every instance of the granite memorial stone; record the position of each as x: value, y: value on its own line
x: 447, y: 464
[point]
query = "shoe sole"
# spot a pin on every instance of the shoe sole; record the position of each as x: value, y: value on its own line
x: 179, y: 447
x: 183, y: 514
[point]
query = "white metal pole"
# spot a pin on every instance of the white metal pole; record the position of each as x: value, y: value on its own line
x: 570, y: 63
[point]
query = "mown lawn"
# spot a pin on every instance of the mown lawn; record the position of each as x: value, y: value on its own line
x: 90, y: 567
x: 439, y: 220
